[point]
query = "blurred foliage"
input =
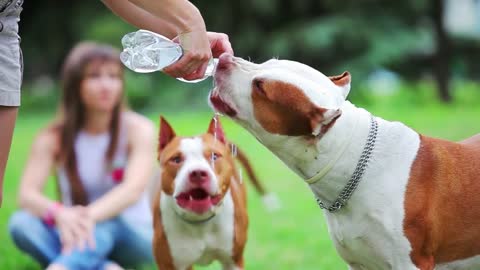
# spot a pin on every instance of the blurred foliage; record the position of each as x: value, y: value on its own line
x: 331, y: 36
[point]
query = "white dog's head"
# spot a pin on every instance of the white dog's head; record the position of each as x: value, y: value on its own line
x: 278, y: 97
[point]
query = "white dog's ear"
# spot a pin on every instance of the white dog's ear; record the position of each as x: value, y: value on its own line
x: 342, y: 81
x: 322, y: 120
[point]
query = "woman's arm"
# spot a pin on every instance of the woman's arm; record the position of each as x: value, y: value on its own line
x: 139, y: 170
x: 36, y: 172
x: 74, y: 224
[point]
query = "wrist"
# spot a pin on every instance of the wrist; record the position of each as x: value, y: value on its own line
x: 91, y: 213
x: 193, y: 22
x: 51, y: 213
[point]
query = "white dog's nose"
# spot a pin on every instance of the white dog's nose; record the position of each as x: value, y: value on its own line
x: 225, y: 61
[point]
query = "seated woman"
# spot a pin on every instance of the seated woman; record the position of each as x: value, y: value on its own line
x: 103, y: 156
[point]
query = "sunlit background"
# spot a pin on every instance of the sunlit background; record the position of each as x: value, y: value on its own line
x: 416, y: 61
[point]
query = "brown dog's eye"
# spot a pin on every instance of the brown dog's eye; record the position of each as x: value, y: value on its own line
x: 215, y: 156
x: 176, y: 159
x: 258, y: 86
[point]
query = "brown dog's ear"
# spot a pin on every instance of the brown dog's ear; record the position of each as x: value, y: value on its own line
x: 166, y: 134
x: 342, y: 81
x: 321, y: 120
x: 215, y: 128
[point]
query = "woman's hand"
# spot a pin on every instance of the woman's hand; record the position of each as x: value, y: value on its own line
x: 75, y: 227
x: 198, y: 48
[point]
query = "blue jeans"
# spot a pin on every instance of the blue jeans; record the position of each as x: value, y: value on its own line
x: 115, y: 240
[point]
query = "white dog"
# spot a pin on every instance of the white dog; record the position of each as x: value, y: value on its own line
x: 394, y: 199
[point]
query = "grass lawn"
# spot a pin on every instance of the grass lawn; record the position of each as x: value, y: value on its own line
x: 293, y: 238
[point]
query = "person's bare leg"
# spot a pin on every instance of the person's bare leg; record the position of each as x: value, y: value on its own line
x: 8, y: 115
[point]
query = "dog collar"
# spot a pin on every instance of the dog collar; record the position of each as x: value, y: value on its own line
x: 183, y: 215
x: 319, y: 175
x: 362, y: 163
x: 195, y: 222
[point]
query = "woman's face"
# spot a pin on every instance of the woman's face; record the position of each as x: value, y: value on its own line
x: 102, y: 86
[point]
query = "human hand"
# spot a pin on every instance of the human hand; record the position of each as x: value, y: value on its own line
x: 197, y: 53
x: 75, y: 227
x: 219, y: 43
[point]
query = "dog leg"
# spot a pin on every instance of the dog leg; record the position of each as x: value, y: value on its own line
x: 233, y: 265
x: 426, y: 262
x: 160, y: 247
x: 410, y: 267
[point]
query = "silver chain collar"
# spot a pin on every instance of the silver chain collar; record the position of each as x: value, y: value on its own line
x: 352, y: 184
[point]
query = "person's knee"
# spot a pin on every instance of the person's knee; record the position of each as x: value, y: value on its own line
x: 104, y: 231
x: 111, y: 266
x: 56, y: 266
x: 20, y: 224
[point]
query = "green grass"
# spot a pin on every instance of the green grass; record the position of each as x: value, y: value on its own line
x: 296, y: 236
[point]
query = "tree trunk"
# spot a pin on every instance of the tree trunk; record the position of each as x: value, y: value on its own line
x: 441, y: 59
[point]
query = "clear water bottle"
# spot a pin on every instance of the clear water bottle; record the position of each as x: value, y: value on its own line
x: 145, y: 51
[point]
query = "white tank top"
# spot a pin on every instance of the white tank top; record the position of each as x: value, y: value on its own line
x: 97, y: 178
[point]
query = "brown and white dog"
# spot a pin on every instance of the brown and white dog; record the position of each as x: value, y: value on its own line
x: 415, y: 202
x: 200, y: 211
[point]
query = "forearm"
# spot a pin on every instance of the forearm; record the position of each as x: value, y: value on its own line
x: 113, y: 203
x: 35, y: 203
x: 182, y: 15
x: 36, y: 173
x: 140, y: 18
x: 124, y: 195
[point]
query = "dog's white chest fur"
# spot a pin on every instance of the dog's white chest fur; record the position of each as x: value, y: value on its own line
x: 199, y: 243
x: 368, y: 232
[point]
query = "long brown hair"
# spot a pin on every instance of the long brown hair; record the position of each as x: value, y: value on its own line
x: 72, y: 111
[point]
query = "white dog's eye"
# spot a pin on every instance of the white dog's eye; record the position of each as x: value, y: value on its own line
x: 258, y: 86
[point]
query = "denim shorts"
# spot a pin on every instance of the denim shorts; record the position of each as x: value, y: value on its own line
x: 11, y: 59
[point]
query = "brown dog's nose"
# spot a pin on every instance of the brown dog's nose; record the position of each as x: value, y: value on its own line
x: 199, y: 176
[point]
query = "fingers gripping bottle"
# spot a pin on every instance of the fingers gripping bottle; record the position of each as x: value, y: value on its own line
x: 145, y: 51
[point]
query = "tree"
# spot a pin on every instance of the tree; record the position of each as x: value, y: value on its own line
x: 441, y: 59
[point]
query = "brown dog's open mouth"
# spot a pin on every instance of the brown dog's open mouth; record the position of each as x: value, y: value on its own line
x: 197, y: 200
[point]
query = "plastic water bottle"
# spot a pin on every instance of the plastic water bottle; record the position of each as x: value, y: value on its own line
x: 145, y: 51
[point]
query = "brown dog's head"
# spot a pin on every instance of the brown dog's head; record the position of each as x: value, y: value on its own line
x: 195, y: 171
